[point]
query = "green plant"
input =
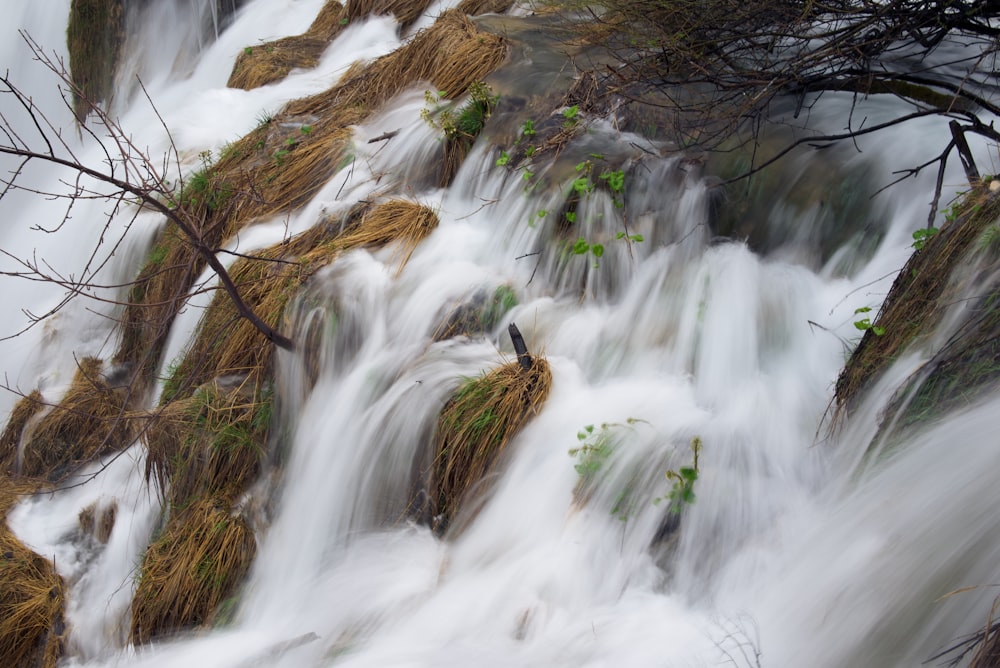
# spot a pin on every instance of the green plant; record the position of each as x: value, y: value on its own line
x: 989, y: 238
x: 503, y: 159
x: 597, y: 446
x: 503, y: 300
x: 921, y: 236
x: 570, y: 114
x: 157, y: 255
x: 468, y: 120
x: 594, y: 451
x: 528, y: 128
x: 635, y: 238
x: 582, y: 247
x: 616, y: 184
x: 682, y: 491
x: 865, y: 324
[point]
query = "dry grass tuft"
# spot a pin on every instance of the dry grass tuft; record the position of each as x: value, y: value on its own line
x: 474, y: 429
x: 91, y: 420
x: 155, y: 297
x: 477, y: 7
x: 272, y: 61
x: 407, y: 223
x: 197, y: 562
x: 227, y: 344
x: 329, y: 22
x: 10, y: 441
x: 405, y: 11
x: 452, y: 54
x: 32, y: 597
x: 204, y: 453
x: 210, y: 444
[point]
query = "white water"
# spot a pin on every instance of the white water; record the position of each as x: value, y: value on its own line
x: 784, y: 548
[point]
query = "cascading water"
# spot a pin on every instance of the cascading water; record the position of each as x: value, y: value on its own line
x: 792, y: 554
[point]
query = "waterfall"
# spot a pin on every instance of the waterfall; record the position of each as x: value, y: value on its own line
x: 796, y: 547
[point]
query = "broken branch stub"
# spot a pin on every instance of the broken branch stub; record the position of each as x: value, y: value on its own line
x: 523, y: 358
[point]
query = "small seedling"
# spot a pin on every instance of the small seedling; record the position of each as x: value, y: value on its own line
x: 682, y: 491
x: 921, y: 236
x: 864, y: 324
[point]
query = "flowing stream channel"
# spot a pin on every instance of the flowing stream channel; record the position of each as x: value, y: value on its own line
x: 797, y: 550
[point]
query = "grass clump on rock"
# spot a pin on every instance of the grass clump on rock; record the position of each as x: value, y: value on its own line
x: 91, y: 420
x: 32, y: 598
x: 474, y: 429
x: 272, y: 61
x: 10, y: 440
x: 477, y: 7
x: 212, y: 443
x: 918, y: 298
x: 204, y: 453
x: 194, y: 565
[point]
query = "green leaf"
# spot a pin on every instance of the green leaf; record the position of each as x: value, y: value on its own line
x: 597, y: 250
x: 863, y: 309
x: 638, y: 238
x: 688, y: 473
x: 878, y: 331
x: 581, y: 246
x: 863, y: 324
x: 571, y: 216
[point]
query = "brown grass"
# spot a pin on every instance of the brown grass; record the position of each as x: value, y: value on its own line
x: 452, y: 54
x: 474, y: 429
x: 405, y: 11
x: 156, y: 295
x: 91, y: 420
x: 228, y: 344
x: 25, y: 409
x: 394, y: 221
x: 477, y: 7
x: 272, y: 61
x: 210, y: 444
x: 32, y: 597
x: 918, y: 296
x: 198, y: 561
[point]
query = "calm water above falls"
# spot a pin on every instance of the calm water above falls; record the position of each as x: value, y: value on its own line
x: 786, y: 549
